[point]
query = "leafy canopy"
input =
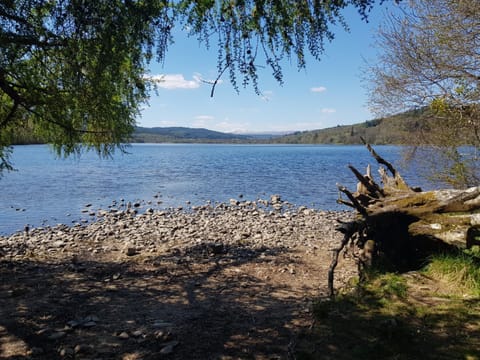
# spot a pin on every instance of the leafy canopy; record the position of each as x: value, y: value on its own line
x: 73, y: 72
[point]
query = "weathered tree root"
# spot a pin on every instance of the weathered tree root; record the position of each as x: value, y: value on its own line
x: 355, y: 203
x: 402, y: 223
x: 367, y: 195
x: 349, y: 230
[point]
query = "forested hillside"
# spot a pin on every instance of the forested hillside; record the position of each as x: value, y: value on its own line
x: 396, y: 129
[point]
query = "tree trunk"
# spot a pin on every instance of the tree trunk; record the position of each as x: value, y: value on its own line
x: 399, y: 226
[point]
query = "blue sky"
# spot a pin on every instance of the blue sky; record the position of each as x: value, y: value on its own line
x: 327, y: 93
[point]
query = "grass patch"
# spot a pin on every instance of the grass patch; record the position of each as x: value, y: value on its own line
x: 388, y: 286
x: 459, y: 273
x: 418, y: 315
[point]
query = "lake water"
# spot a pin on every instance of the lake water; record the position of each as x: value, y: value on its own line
x: 46, y: 190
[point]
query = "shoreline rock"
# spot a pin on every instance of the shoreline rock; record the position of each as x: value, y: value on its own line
x: 254, y: 224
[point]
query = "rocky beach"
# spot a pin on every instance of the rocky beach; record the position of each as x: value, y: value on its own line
x: 219, y: 281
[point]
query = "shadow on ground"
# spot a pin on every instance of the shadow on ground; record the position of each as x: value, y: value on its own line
x: 419, y: 325
x: 204, y: 302
x: 215, y: 302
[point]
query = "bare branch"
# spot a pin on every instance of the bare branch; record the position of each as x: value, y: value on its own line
x: 379, y: 159
x: 373, y: 189
x: 359, y: 207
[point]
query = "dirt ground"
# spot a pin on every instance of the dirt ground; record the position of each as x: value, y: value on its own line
x: 196, y: 302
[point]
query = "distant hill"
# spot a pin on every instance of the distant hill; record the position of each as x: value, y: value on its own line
x: 184, y: 134
x: 392, y: 130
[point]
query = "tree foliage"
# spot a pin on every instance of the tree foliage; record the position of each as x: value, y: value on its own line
x: 74, y: 71
x: 430, y: 60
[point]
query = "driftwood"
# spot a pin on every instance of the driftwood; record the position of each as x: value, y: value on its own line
x: 401, y: 226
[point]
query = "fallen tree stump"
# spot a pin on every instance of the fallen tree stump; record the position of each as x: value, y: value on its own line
x: 400, y: 226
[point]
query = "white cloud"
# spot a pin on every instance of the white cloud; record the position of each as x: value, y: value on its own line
x: 204, y: 117
x: 175, y: 81
x: 203, y: 121
x: 232, y: 127
x: 208, y: 81
x: 267, y: 95
x: 165, y: 123
x: 318, y: 89
x: 328, y: 111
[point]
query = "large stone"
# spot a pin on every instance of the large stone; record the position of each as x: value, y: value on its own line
x: 131, y: 251
x: 168, y: 347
